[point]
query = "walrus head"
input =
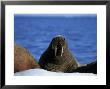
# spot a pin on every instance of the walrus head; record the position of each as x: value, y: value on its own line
x: 58, y: 45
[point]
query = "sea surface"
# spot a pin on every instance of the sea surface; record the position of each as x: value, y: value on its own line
x: 35, y: 33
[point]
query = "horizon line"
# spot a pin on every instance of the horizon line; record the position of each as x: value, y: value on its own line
x: 57, y: 15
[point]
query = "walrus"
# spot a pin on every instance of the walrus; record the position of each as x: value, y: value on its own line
x: 88, y: 68
x: 23, y: 60
x: 58, y: 57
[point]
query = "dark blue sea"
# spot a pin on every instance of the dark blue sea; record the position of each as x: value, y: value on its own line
x: 35, y: 33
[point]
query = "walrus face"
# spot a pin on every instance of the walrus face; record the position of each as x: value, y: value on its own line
x: 58, y: 45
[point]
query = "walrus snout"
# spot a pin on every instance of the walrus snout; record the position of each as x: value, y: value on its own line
x: 59, y: 50
x: 58, y: 44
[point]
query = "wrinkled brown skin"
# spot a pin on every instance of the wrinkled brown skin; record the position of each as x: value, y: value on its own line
x: 23, y: 60
x: 65, y: 63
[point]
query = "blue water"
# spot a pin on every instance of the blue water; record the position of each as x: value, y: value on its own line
x: 35, y: 33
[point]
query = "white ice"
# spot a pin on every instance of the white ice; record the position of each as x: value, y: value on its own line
x: 42, y: 72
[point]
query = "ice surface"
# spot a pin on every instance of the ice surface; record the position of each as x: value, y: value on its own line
x: 42, y: 72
